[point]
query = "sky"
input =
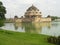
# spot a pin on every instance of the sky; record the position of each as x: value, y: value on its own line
x: 19, y: 7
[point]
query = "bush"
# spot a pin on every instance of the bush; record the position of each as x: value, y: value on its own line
x: 54, y: 40
x: 58, y: 40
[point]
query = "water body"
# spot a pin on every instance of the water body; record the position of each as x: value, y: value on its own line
x: 51, y: 28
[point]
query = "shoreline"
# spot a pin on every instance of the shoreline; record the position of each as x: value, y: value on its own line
x: 17, y: 38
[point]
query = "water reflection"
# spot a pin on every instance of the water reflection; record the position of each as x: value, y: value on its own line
x: 52, y: 28
x: 32, y: 27
x: 19, y: 27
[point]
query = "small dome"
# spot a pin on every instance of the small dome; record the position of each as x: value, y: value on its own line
x: 32, y: 8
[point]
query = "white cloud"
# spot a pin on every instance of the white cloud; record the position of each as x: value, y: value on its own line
x: 18, y: 7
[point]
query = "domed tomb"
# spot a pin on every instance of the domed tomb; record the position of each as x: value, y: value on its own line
x: 32, y: 8
x: 32, y: 12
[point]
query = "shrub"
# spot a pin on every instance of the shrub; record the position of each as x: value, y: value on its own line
x: 58, y: 40
x: 54, y: 40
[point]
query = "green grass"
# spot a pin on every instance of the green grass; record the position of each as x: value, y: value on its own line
x: 1, y: 22
x: 17, y: 38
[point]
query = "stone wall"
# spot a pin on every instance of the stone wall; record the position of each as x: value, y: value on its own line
x: 45, y: 20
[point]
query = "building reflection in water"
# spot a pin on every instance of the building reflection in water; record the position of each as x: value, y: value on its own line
x: 18, y: 26
x: 32, y: 27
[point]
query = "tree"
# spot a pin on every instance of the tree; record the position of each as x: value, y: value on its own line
x: 2, y: 14
x: 2, y: 11
x: 53, y: 17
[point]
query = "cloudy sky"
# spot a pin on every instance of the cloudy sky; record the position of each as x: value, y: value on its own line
x: 18, y: 7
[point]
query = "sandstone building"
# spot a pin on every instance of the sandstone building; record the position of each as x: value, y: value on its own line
x: 33, y: 14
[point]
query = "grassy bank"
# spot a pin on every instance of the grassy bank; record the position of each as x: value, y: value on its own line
x: 16, y: 38
x: 1, y: 22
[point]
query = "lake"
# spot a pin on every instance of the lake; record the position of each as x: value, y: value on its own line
x: 51, y: 28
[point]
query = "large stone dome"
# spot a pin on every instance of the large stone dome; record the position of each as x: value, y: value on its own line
x: 32, y: 12
x: 32, y: 8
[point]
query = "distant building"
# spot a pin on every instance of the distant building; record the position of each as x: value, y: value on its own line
x: 33, y: 14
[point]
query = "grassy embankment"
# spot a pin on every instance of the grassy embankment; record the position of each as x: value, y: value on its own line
x: 16, y: 38
x: 1, y: 22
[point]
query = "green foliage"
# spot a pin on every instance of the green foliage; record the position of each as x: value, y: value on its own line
x: 54, y: 40
x: 1, y: 3
x: 2, y: 14
x: 54, y: 17
x: 16, y: 38
x: 2, y: 11
x: 1, y: 22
